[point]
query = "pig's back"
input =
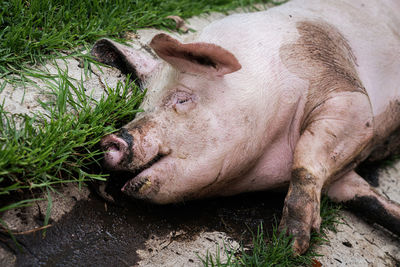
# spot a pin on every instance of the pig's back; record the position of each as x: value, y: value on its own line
x: 371, y: 28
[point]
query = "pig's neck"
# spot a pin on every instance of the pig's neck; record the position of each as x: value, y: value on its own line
x: 273, y: 167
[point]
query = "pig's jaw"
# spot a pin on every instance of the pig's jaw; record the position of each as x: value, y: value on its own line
x: 141, y: 181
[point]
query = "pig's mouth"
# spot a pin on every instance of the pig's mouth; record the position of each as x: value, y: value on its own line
x: 118, y: 158
x: 135, y: 182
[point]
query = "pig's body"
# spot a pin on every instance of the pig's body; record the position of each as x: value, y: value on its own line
x: 298, y: 95
x: 373, y: 33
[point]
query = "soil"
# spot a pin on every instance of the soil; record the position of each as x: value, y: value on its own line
x: 96, y: 233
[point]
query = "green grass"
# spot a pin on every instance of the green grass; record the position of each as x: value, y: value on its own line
x: 33, y: 31
x: 275, y: 249
x: 60, y: 145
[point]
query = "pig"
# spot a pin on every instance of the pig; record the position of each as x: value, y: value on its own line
x: 292, y: 97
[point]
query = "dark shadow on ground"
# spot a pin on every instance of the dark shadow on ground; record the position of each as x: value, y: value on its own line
x: 99, y: 234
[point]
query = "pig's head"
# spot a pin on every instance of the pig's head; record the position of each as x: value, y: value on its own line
x: 189, y: 141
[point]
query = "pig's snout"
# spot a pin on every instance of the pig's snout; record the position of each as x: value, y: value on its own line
x: 115, y: 150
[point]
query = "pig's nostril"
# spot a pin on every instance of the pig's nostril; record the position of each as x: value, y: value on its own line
x: 115, y: 150
x: 113, y: 147
x: 113, y: 143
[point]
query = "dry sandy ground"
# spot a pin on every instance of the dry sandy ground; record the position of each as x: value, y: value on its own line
x: 355, y: 244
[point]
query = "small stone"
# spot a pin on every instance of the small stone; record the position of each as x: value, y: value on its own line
x: 347, y: 244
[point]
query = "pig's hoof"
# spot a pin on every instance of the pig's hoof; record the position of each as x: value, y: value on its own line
x: 300, y: 216
x: 300, y: 235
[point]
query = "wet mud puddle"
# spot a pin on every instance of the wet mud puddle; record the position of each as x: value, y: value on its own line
x: 98, y: 234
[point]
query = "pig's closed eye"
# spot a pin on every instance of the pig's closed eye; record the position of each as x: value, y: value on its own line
x: 182, y: 102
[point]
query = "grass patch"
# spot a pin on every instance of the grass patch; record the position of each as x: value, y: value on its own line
x: 275, y: 249
x: 60, y: 145
x: 32, y: 31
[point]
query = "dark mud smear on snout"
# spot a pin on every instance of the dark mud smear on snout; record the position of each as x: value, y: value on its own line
x: 92, y: 235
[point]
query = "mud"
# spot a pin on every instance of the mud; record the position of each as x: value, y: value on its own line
x: 324, y: 58
x: 99, y: 234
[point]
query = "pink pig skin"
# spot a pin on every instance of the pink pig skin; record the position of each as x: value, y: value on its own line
x: 296, y: 96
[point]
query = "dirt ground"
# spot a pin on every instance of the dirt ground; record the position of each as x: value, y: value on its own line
x: 86, y: 231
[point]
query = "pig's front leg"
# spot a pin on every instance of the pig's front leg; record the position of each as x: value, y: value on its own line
x: 336, y: 136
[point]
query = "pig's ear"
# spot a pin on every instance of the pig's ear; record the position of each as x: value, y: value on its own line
x: 195, y: 57
x: 130, y: 61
